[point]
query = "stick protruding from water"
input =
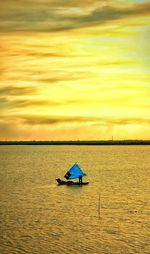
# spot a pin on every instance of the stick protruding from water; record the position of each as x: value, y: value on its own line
x: 99, y: 206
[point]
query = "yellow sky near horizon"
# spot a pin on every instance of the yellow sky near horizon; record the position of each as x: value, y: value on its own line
x: 87, y: 82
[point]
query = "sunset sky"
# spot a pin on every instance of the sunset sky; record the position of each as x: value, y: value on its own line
x: 74, y: 70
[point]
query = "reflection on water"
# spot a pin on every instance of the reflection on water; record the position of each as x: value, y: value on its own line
x: 37, y: 216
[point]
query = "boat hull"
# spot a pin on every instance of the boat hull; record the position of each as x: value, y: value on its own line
x: 61, y: 182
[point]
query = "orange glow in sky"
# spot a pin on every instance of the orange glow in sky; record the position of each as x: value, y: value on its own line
x: 74, y: 71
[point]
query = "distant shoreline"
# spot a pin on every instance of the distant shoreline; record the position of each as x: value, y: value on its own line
x: 79, y: 142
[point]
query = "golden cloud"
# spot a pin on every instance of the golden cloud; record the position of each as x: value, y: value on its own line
x: 52, y: 16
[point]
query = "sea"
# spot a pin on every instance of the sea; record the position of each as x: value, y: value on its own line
x: 111, y: 215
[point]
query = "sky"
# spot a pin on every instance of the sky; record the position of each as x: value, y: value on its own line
x: 74, y: 70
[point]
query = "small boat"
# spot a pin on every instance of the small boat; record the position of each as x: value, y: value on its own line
x: 62, y: 182
x: 74, y: 172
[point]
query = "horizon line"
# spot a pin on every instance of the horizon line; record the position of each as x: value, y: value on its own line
x: 76, y: 142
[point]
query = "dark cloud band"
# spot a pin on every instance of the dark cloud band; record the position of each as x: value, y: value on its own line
x: 55, y: 120
x: 17, y: 90
x: 50, y: 17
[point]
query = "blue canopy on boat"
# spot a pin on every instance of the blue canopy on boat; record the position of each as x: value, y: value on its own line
x: 74, y: 172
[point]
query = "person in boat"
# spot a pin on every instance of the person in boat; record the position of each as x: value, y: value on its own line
x: 80, y: 179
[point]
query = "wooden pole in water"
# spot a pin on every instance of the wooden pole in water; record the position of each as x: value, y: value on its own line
x: 99, y: 200
x: 99, y: 207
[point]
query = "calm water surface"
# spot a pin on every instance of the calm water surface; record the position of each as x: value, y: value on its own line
x: 37, y: 216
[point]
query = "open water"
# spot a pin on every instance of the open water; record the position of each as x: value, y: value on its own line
x: 37, y: 216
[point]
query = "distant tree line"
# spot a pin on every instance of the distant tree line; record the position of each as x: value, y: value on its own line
x: 79, y: 142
